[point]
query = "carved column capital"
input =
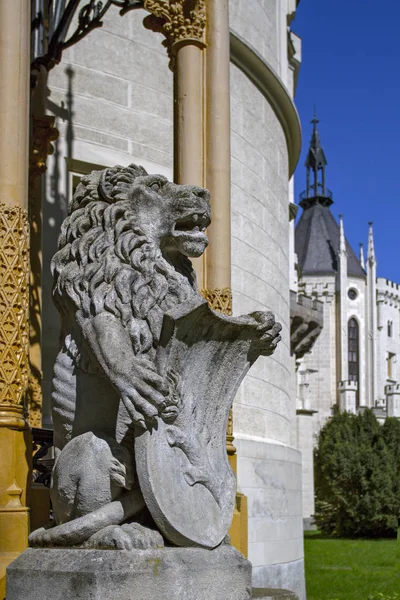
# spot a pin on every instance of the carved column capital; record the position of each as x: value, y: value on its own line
x: 181, y: 21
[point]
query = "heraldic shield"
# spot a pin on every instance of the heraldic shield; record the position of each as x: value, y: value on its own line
x: 182, y: 464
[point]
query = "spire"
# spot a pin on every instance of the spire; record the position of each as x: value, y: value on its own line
x: 362, y: 260
x: 371, y: 249
x: 342, y: 239
x: 316, y: 162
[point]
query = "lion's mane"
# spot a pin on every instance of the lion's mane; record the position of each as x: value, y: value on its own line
x: 105, y: 263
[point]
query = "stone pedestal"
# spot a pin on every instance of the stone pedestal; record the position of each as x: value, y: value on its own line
x: 172, y: 573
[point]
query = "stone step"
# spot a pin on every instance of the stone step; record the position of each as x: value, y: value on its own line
x: 270, y: 594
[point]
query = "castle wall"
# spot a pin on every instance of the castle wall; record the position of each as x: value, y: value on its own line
x: 119, y: 110
x: 258, y: 23
x: 322, y: 391
x: 264, y: 410
x: 388, y: 335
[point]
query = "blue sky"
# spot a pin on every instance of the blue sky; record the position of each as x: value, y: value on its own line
x: 351, y: 72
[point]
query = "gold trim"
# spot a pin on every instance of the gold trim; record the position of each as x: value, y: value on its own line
x: 12, y: 416
x: 181, y: 21
x: 14, y: 305
x: 219, y: 299
x: 230, y: 448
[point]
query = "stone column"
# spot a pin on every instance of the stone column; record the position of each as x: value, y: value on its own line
x: 15, y: 442
x: 42, y: 133
x: 217, y: 279
x: 183, y: 24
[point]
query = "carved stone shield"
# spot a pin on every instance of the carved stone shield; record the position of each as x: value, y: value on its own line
x: 182, y: 465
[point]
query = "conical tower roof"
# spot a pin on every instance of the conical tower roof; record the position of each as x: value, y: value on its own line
x: 317, y: 241
x: 317, y: 234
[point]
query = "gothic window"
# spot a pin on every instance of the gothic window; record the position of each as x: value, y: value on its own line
x: 390, y: 328
x: 391, y: 359
x: 353, y: 350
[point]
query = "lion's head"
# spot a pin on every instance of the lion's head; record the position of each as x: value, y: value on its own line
x: 123, y: 249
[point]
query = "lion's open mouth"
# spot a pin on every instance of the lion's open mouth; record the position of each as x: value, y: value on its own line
x: 193, y: 224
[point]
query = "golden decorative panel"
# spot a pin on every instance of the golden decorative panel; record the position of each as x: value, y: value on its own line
x: 219, y: 299
x: 14, y: 304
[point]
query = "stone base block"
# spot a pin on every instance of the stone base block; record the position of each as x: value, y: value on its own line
x: 270, y: 594
x: 168, y: 573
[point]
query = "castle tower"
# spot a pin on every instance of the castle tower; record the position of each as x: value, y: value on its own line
x: 330, y: 272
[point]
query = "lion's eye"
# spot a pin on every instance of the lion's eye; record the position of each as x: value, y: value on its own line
x: 155, y: 186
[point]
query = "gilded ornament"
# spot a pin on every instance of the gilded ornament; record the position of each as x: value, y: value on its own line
x: 14, y: 306
x: 219, y: 299
x: 181, y: 21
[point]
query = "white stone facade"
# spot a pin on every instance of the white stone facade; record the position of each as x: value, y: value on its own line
x: 374, y: 304
x: 112, y: 95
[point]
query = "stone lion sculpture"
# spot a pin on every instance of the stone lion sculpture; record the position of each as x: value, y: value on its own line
x: 122, y: 264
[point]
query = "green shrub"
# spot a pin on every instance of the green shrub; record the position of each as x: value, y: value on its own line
x: 357, y: 476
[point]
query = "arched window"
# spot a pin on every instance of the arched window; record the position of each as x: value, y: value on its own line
x: 353, y: 351
x: 390, y: 328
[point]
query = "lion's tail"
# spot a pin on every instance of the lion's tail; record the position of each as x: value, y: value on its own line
x: 79, y: 530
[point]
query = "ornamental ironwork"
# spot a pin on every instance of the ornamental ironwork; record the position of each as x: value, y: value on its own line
x: 51, y: 21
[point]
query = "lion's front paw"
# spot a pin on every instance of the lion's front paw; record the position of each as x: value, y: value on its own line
x: 268, y: 331
x: 129, y: 536
x: 40, y: 537
x: 121, y: 467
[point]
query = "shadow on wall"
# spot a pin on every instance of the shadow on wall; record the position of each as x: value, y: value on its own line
x: 55, y: 207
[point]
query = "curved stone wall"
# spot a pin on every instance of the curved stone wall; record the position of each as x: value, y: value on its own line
x: 269, y: 469
x: 257, y: 22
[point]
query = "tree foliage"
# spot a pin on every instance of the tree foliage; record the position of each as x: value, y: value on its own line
x: 357, y: 476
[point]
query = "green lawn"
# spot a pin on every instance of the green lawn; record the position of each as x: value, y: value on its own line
x: 351, y: 569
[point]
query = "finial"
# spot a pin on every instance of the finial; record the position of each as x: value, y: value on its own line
x: 362, y: 259
x: 315, y: 120
x: 371, y: 247
x: 342, y: 242
x: 315, y: 164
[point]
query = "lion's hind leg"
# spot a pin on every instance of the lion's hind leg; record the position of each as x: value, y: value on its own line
x: 90, y: 472
x: 91, y: 489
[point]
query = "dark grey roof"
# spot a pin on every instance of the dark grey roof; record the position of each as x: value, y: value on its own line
x: 317, y: 243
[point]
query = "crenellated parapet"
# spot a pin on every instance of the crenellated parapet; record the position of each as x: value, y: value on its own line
x: 320, y: 290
